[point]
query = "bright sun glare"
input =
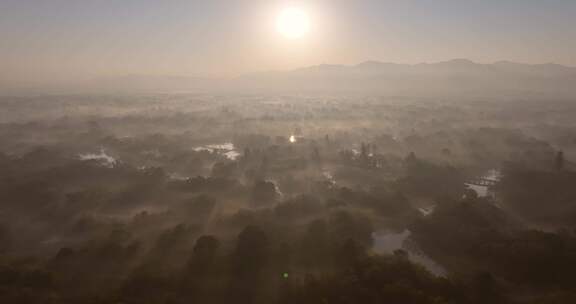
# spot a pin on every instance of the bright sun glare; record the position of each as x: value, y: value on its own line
x: 293, y: 22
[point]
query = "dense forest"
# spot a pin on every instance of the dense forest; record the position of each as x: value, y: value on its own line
x: 182, y: 198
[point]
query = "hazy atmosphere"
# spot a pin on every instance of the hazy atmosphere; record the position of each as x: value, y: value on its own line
x: 287, y: 152
x: 47, y: 42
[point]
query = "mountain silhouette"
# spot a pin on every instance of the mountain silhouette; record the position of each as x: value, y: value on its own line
x: 457, y: 77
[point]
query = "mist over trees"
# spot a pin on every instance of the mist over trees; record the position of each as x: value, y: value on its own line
x: 287, y: 152
x: 201, y: 198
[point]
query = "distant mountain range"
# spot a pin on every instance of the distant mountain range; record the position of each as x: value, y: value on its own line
x: 458, y: 76
x: 449, y: 78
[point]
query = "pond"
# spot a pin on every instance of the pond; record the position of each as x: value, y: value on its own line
x: 386, y: 242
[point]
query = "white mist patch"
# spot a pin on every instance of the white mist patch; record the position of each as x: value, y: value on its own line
x: 227, y: 149
x: 329, y: 177
x: 426, y: 211
x: 178, y: 177
x: 224, y: 146
x: 102, y: 157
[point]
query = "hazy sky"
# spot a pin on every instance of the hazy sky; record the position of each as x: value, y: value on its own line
x: 61, y: 39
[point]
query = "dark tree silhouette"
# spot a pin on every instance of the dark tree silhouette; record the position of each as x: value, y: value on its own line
x: 249, y: 259
x: 559, y: 161
x: 264, y: 193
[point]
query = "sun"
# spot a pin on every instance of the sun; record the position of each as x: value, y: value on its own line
x: 293, y: 22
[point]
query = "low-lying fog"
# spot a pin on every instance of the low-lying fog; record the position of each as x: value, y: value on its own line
x: 196, y: 195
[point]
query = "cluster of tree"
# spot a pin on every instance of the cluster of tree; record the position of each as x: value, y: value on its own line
x: 171, y: 201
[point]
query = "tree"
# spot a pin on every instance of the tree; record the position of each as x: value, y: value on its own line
x: 315, y: 245
x: 251, y: 250
x: 485, y: 290
x: 204, y: 252
x: 249, y: 259
x: 264, y: 192
x: 5, y: 240
x: 200, y: 281
x: 226, y: 169
x: 410, y: 160
x: 559, y: 161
